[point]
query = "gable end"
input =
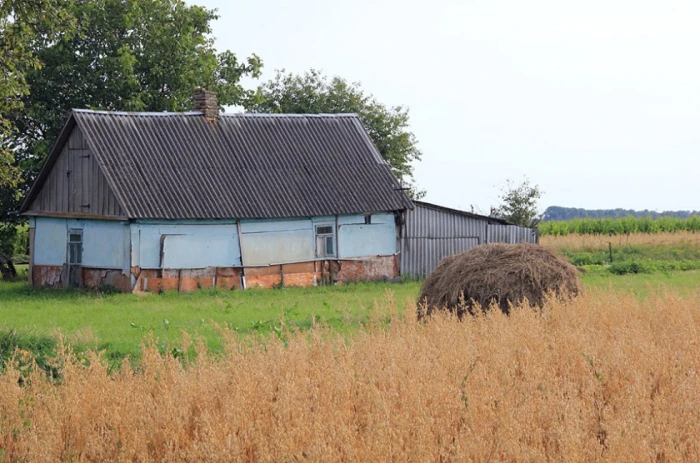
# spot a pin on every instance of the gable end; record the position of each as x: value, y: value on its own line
x: 74, y: 184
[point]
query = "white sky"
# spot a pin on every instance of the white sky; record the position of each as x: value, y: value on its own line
x: 597, y: 102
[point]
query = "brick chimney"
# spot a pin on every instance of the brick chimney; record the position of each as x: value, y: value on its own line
x: 206, y: 101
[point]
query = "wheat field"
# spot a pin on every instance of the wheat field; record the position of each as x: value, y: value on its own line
x: 605, y: 378
x: 575, y: 242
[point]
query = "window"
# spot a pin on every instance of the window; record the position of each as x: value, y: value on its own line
x: 325, y: 243
x: 75, y: 246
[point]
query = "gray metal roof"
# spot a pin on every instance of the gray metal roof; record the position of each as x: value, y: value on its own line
x: 179, y: 165
x: 462, y: 213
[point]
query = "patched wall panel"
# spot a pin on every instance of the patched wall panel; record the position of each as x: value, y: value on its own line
x: 266, y: 242
x: 50, y: 241
x: 366, y: 240
x: 278, y: 247
x: 266, y: 226
x: 147, y: 240
x: 199, y: 251
x: 105, y: 243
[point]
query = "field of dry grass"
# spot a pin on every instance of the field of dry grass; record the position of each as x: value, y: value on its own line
x: 574, y: 242
x: 607, y: 378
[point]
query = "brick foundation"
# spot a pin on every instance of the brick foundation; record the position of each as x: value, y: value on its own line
x: 47, y: 276
x: 98, y: 278
x: 323, y: 272
x: 55, y: 276
x: 370, y: 269
x: 301, y: 274
x: 185, y: 280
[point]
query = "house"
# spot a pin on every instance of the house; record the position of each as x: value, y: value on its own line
x: 431, y: 232
x: 180, y: 201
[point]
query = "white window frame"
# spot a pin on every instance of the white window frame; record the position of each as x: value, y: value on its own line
x: 71, y: 243
x: 323, y: 238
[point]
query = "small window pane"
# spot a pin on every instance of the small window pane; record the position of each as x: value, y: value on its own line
x: 75, y: 238
x: 324, y: 241
x: 75, y: 253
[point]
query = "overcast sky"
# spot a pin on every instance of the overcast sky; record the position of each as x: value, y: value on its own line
x: 597, y: 102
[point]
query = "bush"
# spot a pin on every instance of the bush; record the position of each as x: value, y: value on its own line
x: 649, y: 266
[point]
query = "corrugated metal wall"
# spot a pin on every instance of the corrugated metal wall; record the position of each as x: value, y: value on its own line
x: 511, y: 234
x: 432, y: 233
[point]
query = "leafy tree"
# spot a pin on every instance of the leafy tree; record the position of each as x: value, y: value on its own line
x: 314, y: 93
x: 129, y: 55
x: 23, y: 24
x: 519, y: 203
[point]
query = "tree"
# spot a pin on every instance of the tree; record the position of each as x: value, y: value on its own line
x: 314, y: 93
x: 519, y: 203
x: 128, y: 55
x: 23, y: 24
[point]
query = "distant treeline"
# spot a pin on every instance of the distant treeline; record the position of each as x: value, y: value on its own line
x: 568, y: 213
x: 620, y: 226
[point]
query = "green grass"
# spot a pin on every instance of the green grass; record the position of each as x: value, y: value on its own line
x: 644, y: 285
x: 637, y: 258
x: 118, y: 323
x: 678, y: 253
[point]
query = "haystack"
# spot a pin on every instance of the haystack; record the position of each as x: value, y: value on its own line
x: 500, y: 274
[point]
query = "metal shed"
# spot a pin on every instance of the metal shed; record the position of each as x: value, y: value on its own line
x: 432, y: 232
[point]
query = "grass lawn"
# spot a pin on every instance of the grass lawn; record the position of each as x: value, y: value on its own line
x: 118, y: 323
x: 643, y: 284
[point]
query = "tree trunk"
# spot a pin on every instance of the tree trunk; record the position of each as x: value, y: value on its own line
x: 7, y: 268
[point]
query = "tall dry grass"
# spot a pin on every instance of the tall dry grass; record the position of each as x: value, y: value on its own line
x: 600, y: 242
x: 607, y: 378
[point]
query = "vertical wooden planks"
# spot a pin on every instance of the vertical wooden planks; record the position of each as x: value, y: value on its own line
x: 75, y: 181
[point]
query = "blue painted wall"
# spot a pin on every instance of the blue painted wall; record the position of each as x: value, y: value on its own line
x: 199, y: 244
x: 358, y: 239
x: 105, y: 242
x: 50, y: 241
x: 185, y: 245
x: 265, y: 242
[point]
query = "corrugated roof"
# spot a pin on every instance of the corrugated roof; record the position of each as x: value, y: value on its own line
x: 181, y: 166
x: 462, y: 213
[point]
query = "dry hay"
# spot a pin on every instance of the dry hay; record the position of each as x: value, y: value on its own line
x: 500, y: 274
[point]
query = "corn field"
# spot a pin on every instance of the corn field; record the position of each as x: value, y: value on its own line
x: 620, y: 226
x: 606, y: 378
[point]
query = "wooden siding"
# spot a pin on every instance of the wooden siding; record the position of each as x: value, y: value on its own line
x: 76, y: 184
